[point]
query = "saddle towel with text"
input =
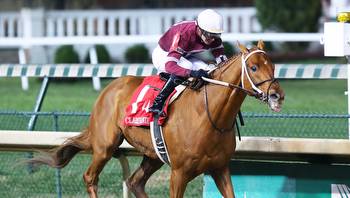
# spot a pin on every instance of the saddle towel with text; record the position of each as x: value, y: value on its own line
x: 137, y: 113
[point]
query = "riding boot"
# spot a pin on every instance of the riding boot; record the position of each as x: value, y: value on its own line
x: 168, y: 88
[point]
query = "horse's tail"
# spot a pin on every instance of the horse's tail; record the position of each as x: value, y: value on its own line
x: 60, y: 156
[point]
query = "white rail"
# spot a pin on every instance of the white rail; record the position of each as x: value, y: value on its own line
x: 118, y: 29
x: 40, y: 22
x: 29, y: 140
x: 11, y: 24
x: 282, y: 71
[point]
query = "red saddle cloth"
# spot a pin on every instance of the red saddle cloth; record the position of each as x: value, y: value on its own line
x: 136, y: 113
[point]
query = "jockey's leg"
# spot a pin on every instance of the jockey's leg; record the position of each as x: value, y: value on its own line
x: 168, y: 88
x: 159, y: 59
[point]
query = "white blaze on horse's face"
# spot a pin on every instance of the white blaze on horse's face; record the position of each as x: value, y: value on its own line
x: 274, y: 102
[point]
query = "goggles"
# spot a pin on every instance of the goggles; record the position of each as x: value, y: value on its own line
x: 210, y: 35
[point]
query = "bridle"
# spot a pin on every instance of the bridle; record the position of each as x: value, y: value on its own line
x: 260, y: 94
x: 257, y: 93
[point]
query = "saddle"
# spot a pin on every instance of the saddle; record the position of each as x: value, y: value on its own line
x: 137, y: 113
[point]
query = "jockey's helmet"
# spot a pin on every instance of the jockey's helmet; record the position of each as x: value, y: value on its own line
x: 211, y: 22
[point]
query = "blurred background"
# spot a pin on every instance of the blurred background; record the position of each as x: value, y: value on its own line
x: 46, y: 34
x: 40, y: 18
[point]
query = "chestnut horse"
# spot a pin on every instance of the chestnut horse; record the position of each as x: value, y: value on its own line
x: 199, y: 132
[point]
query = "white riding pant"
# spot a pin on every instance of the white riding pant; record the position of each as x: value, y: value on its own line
x: 160, y: 57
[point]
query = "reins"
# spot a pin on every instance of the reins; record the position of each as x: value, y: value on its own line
x: 230, y: 85
x: 209, y: 116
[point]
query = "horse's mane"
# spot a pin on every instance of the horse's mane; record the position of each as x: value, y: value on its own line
x: 232, y: 58
x: 221, y: 67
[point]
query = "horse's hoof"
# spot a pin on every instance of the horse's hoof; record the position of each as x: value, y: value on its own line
x: 92, y: 191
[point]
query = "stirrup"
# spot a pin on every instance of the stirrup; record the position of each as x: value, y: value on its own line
x: 160, y: 114
x: 156, y: 107
x: 157, y: 111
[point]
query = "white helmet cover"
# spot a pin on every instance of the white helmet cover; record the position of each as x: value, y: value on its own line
x: 210, y: 21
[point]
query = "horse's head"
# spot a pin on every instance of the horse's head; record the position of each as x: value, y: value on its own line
x: 257, y: 75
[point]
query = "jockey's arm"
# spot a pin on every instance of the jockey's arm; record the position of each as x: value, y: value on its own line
x: 172, y: 67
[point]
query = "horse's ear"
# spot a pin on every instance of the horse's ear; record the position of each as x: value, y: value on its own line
x: 261, y: 45
x: 242, y: 47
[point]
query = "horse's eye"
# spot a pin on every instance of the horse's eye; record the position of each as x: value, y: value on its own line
x: 254, y: 68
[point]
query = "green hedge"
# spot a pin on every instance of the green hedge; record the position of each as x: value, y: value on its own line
x: 137, y: 54
x: 66, y: 54
x: 229, y: 50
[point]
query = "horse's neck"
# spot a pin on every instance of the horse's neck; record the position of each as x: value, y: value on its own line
x: 226, y: 102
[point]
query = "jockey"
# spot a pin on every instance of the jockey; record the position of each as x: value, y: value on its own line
x: 177, y: 49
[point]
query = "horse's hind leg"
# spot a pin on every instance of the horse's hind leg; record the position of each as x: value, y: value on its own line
x: 102, y: 149
x: 223, y: 181
x: 137, y: 181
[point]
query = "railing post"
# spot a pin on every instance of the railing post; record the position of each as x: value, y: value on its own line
x: 26, y: 17
x: 27, y: 34
x: 37, y: 107
x: 126, y: 173
x: 22, y: 57
x: 58, y: 171
x: 33, y: 26
x: 94, y: 60
x: 38, y: 103
x: 348, y: 80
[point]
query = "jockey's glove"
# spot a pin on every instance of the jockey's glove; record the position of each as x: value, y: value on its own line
x: 199, y: 73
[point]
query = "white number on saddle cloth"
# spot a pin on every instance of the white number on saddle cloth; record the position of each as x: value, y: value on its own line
x: 139, y: 99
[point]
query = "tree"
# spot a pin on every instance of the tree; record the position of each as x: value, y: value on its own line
x: 289, y: 16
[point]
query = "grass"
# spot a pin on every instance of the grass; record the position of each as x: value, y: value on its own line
x: 308, y: 96
x: 61, y: 96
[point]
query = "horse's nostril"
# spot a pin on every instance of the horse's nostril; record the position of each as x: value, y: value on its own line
x: 274, y: 96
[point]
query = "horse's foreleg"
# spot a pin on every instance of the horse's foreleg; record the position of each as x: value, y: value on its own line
x: 223, y: 181
x: 178, y: 183
x: 137, y: 181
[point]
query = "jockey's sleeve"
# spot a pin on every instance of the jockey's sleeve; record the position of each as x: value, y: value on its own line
x: 172, y: 67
